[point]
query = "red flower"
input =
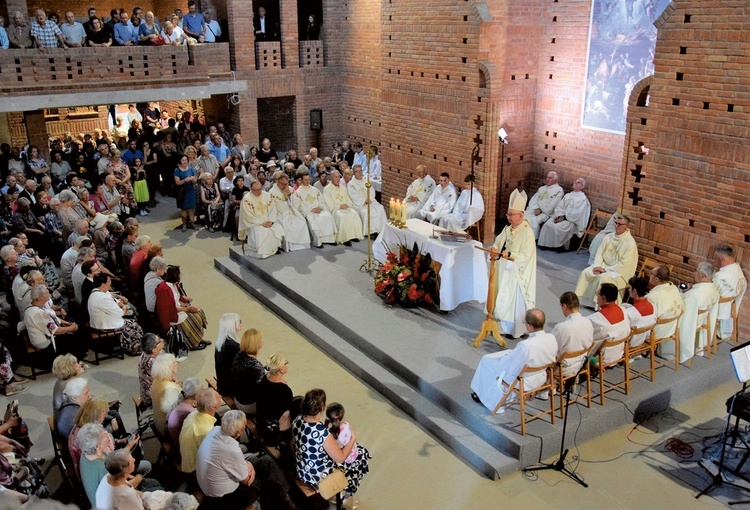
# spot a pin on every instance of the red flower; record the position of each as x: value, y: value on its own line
x: 414, y: 293
x: 381, y: 286
x: 403, y: 275
x: 428, y: 298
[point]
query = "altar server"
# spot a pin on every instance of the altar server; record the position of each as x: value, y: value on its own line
x: 441, y: 201
x: 358, y: 193
x: 296, y: 235
x: 465, y: 214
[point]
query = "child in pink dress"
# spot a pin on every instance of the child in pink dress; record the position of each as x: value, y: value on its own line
x: 340, y: 429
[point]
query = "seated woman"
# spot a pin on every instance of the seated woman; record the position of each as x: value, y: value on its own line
x: 165, y: 390
x: 274, y: 402
x: 226, y: 348
x: 107, y: 313
x: 174, y: 308
x: 316, y: 451
x: 186, y: 405
x: 65, y: 367
x: 93, y: 441
x: 151, y: 347
x: 247, y: 371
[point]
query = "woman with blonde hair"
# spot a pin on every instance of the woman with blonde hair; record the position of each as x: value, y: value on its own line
x: 274, y: 402
x: 227, y: 348
x: 165, y: 390
x: 248, y: 371
x: 65, y: 367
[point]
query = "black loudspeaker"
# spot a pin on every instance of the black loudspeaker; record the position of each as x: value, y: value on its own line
x: 316, y: 119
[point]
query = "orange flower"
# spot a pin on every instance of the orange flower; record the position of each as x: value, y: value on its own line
x: 414, y: 294
x: 403, y: 275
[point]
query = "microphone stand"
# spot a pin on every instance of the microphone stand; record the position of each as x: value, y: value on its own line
x: 559, y: 464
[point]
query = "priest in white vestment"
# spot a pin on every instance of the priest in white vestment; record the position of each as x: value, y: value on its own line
x: 666, y: 298
x: 358, y: 193
x: 610, y: 322
x: 615, y: 262
x: 515, y: 279
x: 441, y: 201
x: 464, y: 214
x: 538, y: 350
x: 375, y: 170
x: 641, y: 312
x: 596, y: 242
x: 311, y: 205
x: 258, y: 228
x: 296, y: 234
x: 703, y: 295
x: 543, y: 203
x: 571, y: 217
x: 731, y: 282
x: 573, y: 334
x: 338, y: 203
x: 418, y: 192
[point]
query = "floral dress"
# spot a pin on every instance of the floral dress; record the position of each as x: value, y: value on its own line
x: 119, y: 169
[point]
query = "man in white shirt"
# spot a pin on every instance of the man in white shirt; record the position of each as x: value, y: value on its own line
x: 573, y: 334
x: 311, y: 205
x: 361, y: 196
x: 538, y: 350
x: 641, y: 312
x: 296, y: 235
x: 213, y: 30
x: 703, y: 295
x: 731, y: 282
x: 338, y: 203
x: 464, y: 214
x: 610, y: 322
x: 569, y: 220
x: 543, y: 203
x: 667, y: 300
x: 45, y: 328
x: 74, y: 35
x: 441, y: 201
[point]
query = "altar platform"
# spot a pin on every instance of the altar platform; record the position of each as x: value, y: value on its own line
x: 423, y: 360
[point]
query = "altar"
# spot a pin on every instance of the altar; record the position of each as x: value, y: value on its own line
x: 463, y: 274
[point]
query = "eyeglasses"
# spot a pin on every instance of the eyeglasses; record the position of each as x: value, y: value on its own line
x: 621, y: 224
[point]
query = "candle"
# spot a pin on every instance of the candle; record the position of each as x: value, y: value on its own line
x: 403, y: 214
x: 392, y: 210
x: 398, y: 211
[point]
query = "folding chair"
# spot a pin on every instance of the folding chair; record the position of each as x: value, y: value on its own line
x: 735, y: 323
x: 517, y: 388
x: 703, y: 324
x: 561, y: 378
x: 594, y: 227
x: 648, y: 264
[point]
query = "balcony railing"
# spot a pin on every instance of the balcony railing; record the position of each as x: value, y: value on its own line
x: 311, y: 54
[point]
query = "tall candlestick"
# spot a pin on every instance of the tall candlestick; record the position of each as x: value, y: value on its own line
x: 392, y: 210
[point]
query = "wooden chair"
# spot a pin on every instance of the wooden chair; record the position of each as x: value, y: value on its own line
x: 139, y: 408
x: 31, y: 357
x: 703, y: 324
x: 594, y: 227
x: 643, y: 349
x: 517, y: 388
x: 605, y: 387
x: 62, y: 460
x: 169, y: 452
x: 561, y: 378
x: 104, y: 343
x: 735, y: 323
x: 475, y: 230
x: 649, y: 347
x: 648, y: 264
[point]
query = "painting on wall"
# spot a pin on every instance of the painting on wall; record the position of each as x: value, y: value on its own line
x: 622, y: 40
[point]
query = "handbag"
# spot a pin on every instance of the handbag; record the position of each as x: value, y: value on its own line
x: 20, y: 432
x: 176, y: 342
x: 332, y: 484
x: 159, y: 41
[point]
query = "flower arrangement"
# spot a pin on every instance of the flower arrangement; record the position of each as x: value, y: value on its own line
x: 407, y: 278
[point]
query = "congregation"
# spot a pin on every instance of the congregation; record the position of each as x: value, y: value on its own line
x: 78, y: 276
x: 633, y: 314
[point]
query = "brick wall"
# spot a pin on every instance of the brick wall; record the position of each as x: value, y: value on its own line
x: 689, y: 191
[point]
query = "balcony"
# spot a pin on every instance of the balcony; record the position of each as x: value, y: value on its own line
x: 311, y: 54
x: 60, y: 77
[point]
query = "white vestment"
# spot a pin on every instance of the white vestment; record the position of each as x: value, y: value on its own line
x: 348, y: 224
x: 576, y: 209
x: 464, y: 215
x: 599, y: 237
x: 422, y: 189
x: 515, y: 280
x: 573, y: 334
x: 358, y: 195
x: 703, y: 295
x: 605, y: 330
x: 538, y: 350
x: 618, y: 255
x: 638, y: 320
x: 296, y: 235
x: 546, y: 198
x: 262, y: 242
x: 322, y: 227
x: 442, y: 201
x: 730, y: 281
x: 375, y: 169
x: 667, y: 301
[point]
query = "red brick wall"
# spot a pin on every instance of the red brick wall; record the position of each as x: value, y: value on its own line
x: 689, y: 193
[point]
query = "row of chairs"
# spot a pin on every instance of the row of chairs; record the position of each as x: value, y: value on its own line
x: 556, y: 379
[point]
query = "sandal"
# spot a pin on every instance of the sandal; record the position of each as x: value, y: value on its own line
x: 18, y: 379
x: 13, y: 389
